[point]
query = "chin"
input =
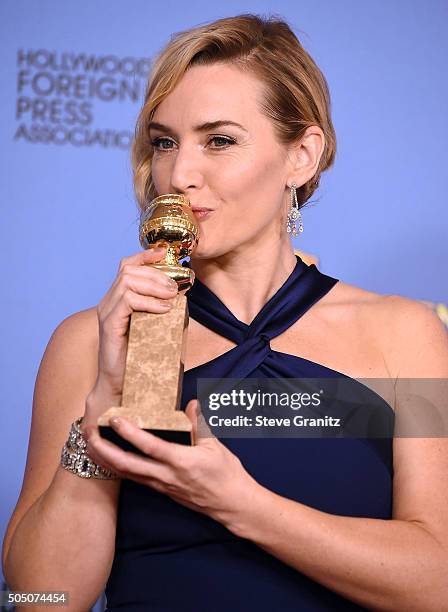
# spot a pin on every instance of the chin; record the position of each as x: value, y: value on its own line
x: 200, y: 254
x: 203, y: 252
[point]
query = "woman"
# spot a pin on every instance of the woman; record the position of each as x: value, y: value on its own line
x: 236, y: 117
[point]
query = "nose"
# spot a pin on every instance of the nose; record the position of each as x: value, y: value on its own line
x: 186, y: 172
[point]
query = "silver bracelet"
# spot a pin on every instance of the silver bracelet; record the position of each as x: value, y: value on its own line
x: 75, y: 459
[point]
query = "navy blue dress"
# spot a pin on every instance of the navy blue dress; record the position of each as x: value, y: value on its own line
x: 169, y: 558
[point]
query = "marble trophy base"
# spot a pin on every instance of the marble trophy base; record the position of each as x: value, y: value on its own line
x: 152, y: 386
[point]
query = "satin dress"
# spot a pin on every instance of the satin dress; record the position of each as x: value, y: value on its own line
x: 170, y: 558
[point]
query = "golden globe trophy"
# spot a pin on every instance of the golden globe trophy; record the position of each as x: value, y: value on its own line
x: 152, y: 386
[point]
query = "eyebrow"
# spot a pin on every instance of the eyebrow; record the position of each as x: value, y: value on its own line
x: 203, y: 127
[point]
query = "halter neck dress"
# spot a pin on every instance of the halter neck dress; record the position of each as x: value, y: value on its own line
x: 170, y: 558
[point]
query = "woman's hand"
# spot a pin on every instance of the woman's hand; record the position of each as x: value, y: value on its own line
x: 206, y: 477
x: 137, y: 286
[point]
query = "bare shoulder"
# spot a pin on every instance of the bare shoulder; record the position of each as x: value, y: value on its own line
x: 71, y: 353
x: 351, y: 295
x: 354, y: 305
x: 66, y: 374
x: 413, y: 338
x: 417, y: 339
x: 396, y: 308
x: 82, y: 326
x: 68, y: 369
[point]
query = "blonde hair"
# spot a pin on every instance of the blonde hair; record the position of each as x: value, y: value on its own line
x: 296, y: 93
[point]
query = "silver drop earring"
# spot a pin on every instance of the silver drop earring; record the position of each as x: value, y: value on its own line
x: 294, y: 214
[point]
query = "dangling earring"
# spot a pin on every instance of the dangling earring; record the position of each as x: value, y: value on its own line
x: 294, y: 213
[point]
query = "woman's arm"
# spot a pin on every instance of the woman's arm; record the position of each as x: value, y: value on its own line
x: 61, y: 535
x: 398, y: 564
x: 379, y: 564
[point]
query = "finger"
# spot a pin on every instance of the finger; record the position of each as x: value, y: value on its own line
x: 98, y: 457
x: 203, y: 429
x: 146, y: 271
x: 150, y: 255
x: 134, y: 287
x: 153, y: 283
x: 119, y: 311
x: 127, y: 463
x: 158, y: 287
x: 192, y: 413
x: 170, y: 453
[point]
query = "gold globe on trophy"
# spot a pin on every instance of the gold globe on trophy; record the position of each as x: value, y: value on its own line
x: 152, y: 386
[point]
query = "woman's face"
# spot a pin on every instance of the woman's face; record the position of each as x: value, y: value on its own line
x: 239, y: 172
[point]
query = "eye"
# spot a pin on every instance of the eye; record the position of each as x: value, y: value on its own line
x: 162, y: 144
x: 157, y: 141
x: 224, y: 139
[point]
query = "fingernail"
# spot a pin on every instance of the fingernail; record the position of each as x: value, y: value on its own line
x: 115, y: 421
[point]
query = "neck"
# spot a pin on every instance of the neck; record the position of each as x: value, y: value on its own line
x: 245, y: 279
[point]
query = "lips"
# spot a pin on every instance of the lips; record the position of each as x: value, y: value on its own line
x: 201, y: 212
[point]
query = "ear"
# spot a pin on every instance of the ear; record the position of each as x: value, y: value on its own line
x: 305, y: 154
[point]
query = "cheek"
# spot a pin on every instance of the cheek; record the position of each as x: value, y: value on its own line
x: 250, y: 187
x: 244, y: 170
x: 161, y: 172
